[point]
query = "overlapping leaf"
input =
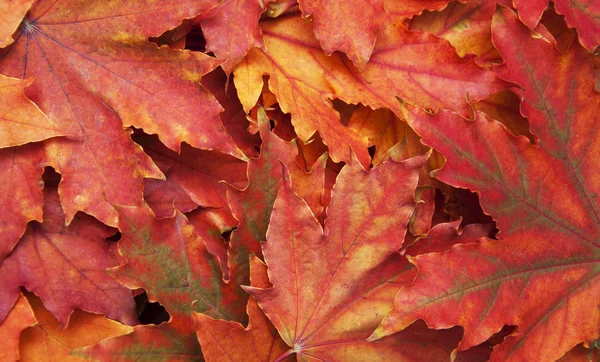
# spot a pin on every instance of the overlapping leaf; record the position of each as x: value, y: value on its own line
x: 21, y: 188
x: 542, y: 276
x: 466, y: 26
x: 347, y: 26
x: 65, y: 266
x: 11, y: 13
x: 229, y: 340
x: 330, y: 289
x: 19, y: 318
x: 21, y: 121
x: 173, y: 264
x: 48, y: 341
x: 584, y: 15
x: 252, y: 205
x: 231, y: 29
x: 417, y: 67
x: 95, y: 72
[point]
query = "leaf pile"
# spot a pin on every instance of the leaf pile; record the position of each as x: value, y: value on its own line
x: 280, y: 180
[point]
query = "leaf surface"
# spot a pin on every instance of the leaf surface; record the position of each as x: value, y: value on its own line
x: 21, y: 121
x: 229, y: 340
x: 11, y: 14
x: 584, y: 15
x: 173, y: 265
x: 253, y: 205
x: 416, y: 67
x: 330, y: 290
x: 231, y: 29
x: 96, y: 72
x: 173, y: 341
x: 347, y: 26
x: 18, y: 319
x: 21, y: 187
x: 542, y: 276
x: 48, y: 341
x: 466, y: 26
x: 193, y: 177
x: 66, y: 266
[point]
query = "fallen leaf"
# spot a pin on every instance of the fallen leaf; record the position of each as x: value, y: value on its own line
x: 21, y: 121
x: 349, y: 26
x: 18, y: 319
x: 22, y: 188
x: 330, y: 290
x: 95, y: 72
x: 48, y: 341
x: 581, y: 14
x: 416, y: 67
x: 230, y: 340
x: 542, y: 275
x: 11, y: 14
x: 66, y: 267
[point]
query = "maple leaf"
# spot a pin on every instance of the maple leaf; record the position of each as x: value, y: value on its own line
x: 21, y: 121
x: 223, y: 339
x: 11, y: 14
x: 330, y: 290
x: 466, y: 26
x: 304, y: 91
x: 231, y: 29
x: 173, y: 341
x: 505, y: 107
x: 173, y: 265
x: 22, y: 188
x: 48, y: 340
x: 547, y: 216
x: 580, y: 14
x: 253, y: 204
x: 348, y: 26
x: 19, y: 318
x: 65, y: 266
x: 96, y: 72
x: 233, y: 117
x: 193, y: 177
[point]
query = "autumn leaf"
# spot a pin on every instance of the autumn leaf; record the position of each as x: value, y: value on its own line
x: 231, y: 29
x: 173, y: 341
x: 466, y: 26
x: 65, y: 266
x: 22, y: 188
x: 11, y: 14
x: 253, y: 205
x: 21, y: 121
x: 229, y: 340
x: 549, y: 250
x: 581, y: 14
x: 193, y: 177
x: 18, y: 319
x: 347, y: 26
x: 305, y: 91
x: 96, y: 72
x: 48, y: 341
x: 173, y: 265
x: 331, y: 290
